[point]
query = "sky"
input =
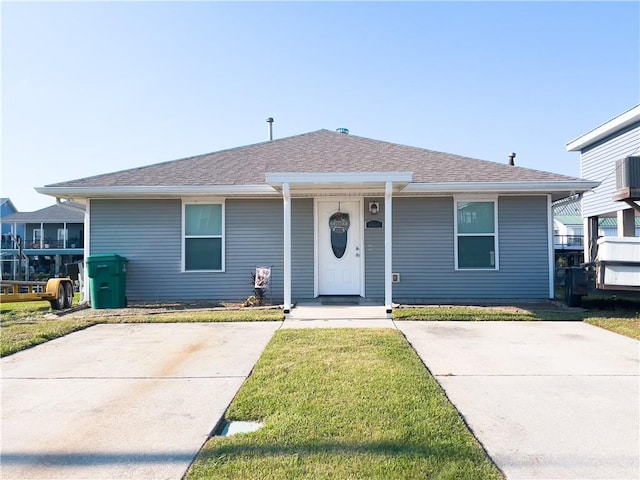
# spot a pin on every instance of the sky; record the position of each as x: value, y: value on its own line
x: 97, y: 87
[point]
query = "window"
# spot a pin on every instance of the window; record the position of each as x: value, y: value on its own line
x: 476, y: 243
x: 203, y: 236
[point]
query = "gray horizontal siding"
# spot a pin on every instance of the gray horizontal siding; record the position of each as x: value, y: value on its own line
x: 374, y: 251
x: 598, y: 163
x: 148, y: 234
x: 423, y: 252
x: 302, y: 248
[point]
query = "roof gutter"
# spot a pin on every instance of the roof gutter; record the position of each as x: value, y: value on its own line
x: 621, y: 121
x: 502, y: 187
x: 155, y: 191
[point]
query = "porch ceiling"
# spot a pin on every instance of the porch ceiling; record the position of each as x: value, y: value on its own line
x: 340, y: 183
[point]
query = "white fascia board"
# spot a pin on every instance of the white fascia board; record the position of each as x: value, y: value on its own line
x: 156, y: 191
x: 278, y: 178
x: 500, y: 187
x: 604, y: 130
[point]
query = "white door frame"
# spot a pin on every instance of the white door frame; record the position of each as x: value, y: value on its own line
x: 316, y: 239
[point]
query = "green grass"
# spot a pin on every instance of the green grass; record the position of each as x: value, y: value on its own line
x: 26, y: 324
x: 463, y: 314
x: 629, y: 327
x: 344, y: 404
x: 620, y: 318
x: 242, y: 315
x: 455, y: 313
x: 21, y: 334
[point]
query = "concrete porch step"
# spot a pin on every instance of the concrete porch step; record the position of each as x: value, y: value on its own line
x: 333, y: 312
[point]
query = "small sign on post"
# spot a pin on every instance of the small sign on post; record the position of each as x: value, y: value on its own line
x: 263, y: 277
x: 261, y: 283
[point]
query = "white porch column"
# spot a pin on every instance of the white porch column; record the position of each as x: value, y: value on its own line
x: 286, y: 195
x: 86, y: 291
x: 388, y: 264
x: 550, y: 249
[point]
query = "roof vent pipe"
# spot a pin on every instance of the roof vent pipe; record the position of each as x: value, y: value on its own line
x: 343, y: 130
x: 512, y: 158
x: 270, y: 128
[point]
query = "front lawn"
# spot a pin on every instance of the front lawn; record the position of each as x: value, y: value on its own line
x: 461, y: 313
x: 629, y: 327
x: 533, y: 312
x: 344, y: 403
x: 26, y: 324
x: 622, y: 318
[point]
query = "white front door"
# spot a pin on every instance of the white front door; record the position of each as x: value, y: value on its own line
x: 339, y: 237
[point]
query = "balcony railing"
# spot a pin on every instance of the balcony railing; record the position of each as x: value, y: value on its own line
x: 11, y: 244
x: 568, y: 241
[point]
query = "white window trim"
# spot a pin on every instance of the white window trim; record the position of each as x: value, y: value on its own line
x: 204, y: 201
x: 473, y: 198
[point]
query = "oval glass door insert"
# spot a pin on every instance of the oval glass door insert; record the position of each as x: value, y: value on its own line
x: 339, y: 227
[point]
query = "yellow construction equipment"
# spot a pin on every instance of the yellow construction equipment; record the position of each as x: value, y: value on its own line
x: 57, y: 291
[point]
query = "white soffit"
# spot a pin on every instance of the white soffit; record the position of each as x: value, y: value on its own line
x: 352, y: 178
x: 501, y: 187
x: 621, y: 121
x: 155, y: 191
x: 337, y: 183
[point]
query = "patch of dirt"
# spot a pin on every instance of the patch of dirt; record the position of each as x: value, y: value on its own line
x: 145, y: 309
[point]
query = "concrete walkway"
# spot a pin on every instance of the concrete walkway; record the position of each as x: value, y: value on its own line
x: 548, y: 400
x: 122, y: 401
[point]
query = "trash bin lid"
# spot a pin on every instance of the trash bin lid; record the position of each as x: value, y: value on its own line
x: 101, y: 257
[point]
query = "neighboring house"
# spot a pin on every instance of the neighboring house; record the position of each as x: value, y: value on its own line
x: 568, y: 231
x: 610, y: 154
x: 47, y: 240
x: 331, y: 214
x: 6, y: 208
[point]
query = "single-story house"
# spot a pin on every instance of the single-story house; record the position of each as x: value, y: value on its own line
x: 331, y: 214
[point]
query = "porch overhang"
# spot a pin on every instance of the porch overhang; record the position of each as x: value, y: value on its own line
x: 338, y: 183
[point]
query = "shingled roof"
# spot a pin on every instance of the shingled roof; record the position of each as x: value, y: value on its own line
x: 72, y: 213
x: 322, y: 151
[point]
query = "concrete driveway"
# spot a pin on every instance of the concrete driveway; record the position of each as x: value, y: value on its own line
x: 122, y: 401
x: 548, y: 400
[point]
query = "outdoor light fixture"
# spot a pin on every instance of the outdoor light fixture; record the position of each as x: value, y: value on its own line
x: 374, y: 207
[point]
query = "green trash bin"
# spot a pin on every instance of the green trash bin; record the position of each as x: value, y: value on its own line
x: 107, y: 280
